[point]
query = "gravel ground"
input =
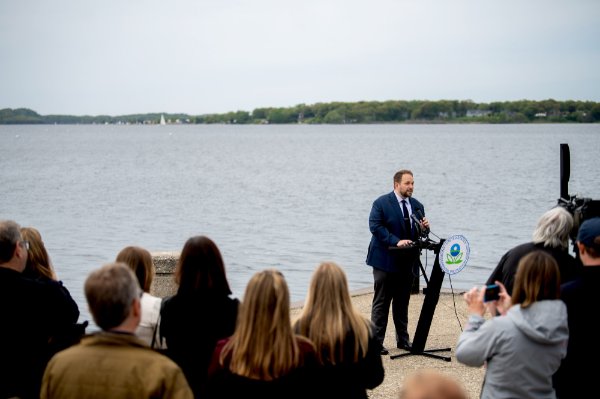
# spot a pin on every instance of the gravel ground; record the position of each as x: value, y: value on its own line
x: 448, y: 321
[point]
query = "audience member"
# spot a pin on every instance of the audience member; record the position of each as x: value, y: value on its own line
x: 523, y: 347
x: 576, y: 377
x: 33, y: 314
x: 264, y: 358
x: 200, y: 313
x: 342, y: 336
x: 140, y: 262
x: 431, y: 384
x: 551, y: 235
x: 113, y: 363
x: 38, y: 265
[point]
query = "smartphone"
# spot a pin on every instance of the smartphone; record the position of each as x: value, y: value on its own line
x: 492, y: 293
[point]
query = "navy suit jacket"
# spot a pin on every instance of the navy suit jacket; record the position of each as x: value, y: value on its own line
x: 387, y: 228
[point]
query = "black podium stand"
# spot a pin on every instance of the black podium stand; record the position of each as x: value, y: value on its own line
x: 432, y: 295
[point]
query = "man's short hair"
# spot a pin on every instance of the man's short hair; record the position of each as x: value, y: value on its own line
x: 10, y: 235
x: 398, y: 175
x: 110, y: 292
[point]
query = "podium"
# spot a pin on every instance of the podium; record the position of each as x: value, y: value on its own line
x: 432, y: 295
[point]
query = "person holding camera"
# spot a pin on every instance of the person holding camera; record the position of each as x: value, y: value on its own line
x: 523, y: 347
x: 578, y: 372
x: 391, y: 225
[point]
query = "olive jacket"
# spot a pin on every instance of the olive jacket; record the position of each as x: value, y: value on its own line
x: 113, y: 365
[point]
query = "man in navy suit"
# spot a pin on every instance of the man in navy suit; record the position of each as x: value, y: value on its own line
x: 394, y: 271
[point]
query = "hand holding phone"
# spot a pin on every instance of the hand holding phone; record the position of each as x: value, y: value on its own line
x: 492, y: 293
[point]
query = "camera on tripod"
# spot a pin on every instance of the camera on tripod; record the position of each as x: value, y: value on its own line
x: 581, y: 208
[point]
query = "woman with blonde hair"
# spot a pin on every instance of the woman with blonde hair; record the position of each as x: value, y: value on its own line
x: 342, y: 336
x: 38, y: 265
x: 139, y: 260
x: 264, y: 358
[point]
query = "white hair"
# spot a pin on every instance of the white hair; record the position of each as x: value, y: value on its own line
x: 553, y: 228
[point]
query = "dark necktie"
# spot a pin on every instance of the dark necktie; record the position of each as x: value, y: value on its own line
x: 406, y: 219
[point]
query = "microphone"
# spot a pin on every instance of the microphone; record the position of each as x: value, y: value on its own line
x: 417, y: 225
x: 423, y: 231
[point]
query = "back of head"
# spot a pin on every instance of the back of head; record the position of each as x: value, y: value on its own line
x: 10, y: 235
x: 263, y: 345
x: 140, y: 261
x: 329, y: 315
x: 38, y: 260
x: 537, y: 279
x: 328, y: 291
x: 431, y: 384
x: 553, y: 228
x: 110, y: 292
x: 201, y: 268
x: 589, y: 236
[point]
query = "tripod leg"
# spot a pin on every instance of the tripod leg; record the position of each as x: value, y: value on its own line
x: 400, y: 355
x: 439, y: 350
x: 445, y: 358
x: 424, y: 274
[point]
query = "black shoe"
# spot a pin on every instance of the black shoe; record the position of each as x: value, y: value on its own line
x: 404, y: 345
x: 384, y: 351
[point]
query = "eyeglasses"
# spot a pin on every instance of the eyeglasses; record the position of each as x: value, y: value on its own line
x: 25, y: 244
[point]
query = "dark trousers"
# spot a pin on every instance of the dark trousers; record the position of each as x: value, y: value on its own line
x: 391, y: 288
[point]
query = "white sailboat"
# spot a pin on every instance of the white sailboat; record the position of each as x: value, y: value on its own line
x: 162, y: 120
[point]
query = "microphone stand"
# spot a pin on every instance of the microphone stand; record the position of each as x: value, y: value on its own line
x: 432, y: 294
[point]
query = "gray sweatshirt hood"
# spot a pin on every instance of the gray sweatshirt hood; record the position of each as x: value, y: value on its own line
x: 544, y: 321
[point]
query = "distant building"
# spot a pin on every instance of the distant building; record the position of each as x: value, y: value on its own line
x: 474, y: 113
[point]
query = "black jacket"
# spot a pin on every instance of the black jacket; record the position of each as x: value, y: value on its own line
x: 191, y: 325
x: 507, y: 267
x: 33, y: 313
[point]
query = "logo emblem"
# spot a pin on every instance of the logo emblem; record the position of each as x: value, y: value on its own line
x: 454, y: 254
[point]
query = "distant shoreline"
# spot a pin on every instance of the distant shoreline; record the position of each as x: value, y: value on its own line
x: 347, y: 113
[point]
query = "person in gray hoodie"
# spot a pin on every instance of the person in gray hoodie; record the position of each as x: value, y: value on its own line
x: 524, y: 346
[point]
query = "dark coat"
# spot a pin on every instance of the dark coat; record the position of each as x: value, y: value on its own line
x: 33, y: 314
x: 387, y: 228
x: 577, y: 376
x: 191, y: 325
x: 351, y: 379
x: 301, y: 383
x: 506, y: 269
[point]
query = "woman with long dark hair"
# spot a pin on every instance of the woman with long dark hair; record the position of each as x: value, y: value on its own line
x: 200, y: 313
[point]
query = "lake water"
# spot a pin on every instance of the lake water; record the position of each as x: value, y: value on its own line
x: 285, y: 196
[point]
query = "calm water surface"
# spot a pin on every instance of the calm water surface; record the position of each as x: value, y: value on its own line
x: 287, y: 197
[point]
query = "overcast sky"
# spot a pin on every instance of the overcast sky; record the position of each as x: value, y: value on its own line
x: 119, y: 57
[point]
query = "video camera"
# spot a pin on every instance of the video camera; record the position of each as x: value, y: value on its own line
x: 581, y: 208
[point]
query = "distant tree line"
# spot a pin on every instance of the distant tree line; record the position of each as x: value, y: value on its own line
x: 416, y: 111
